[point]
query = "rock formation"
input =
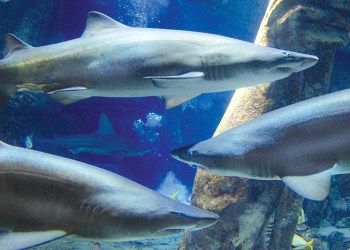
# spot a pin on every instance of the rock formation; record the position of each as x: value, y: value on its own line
x: 245, y: 206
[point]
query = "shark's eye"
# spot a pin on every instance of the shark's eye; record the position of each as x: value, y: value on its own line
x: 287, y: 54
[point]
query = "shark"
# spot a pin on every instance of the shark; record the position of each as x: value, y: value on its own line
x: 111, y: 59
x: 302, y: 144
x: 104, y: 141
x: 47, y: 197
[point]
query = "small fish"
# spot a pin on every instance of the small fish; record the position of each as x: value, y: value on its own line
x: 28, y: 142
x: 122, y: 61
x: 4, y: 1
x: 302, y: 217
x: 300, y: 243
x: 176, y: 194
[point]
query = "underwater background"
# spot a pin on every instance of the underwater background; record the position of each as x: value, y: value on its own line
x: 145, y: 121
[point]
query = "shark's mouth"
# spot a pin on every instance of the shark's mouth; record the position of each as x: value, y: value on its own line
x: 169, y: 232
x: 284, y: 69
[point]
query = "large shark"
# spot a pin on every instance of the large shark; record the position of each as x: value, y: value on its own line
x: 302, y: 144
x: 114, y: 60
x: 104, y: 141
x: 45, y: 197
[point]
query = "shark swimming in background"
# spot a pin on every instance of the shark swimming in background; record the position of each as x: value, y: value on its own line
x: 104, y: 141
x: 114, y: 60
x: 46, y: 197
x: 302, y: 144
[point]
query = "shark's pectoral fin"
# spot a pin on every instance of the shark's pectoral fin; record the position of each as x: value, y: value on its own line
x: 179, y: 81
x: 69, y: 95
x: 174, y: 101
x: 49, y: 87
x: 15, y: 241
x: 313, y: 187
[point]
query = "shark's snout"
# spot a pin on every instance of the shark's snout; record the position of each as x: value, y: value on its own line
x: 193, y: 218
x: 183, y: 154
x: 300, y: 62
x: 309, y: 61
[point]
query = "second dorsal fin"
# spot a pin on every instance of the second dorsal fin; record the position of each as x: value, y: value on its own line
x: 97, y: 22
x: 13, y: 43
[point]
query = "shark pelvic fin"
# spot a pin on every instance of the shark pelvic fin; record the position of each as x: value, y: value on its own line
x: 97, y: 22
x: 313, y: 187
x: 174, y: 101
x: 13, y: 44
x: 14, y: 240
x: 105, y: 126
x: 176, y: 81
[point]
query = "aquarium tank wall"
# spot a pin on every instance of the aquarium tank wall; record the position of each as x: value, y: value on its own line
x: 183, y: 124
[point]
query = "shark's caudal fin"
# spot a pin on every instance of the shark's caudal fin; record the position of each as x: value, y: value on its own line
x: 12, y: 240
x: 313, y: 187
x: 316, y: 186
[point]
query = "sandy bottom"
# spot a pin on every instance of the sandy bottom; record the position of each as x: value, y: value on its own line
x: 169, y: 243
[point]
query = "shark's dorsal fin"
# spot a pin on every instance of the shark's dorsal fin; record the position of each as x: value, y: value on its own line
x: 105, y: 126
x: 13, y: 43
x: 97, y: 22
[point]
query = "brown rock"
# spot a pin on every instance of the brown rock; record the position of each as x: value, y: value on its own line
x: 245, y: 206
